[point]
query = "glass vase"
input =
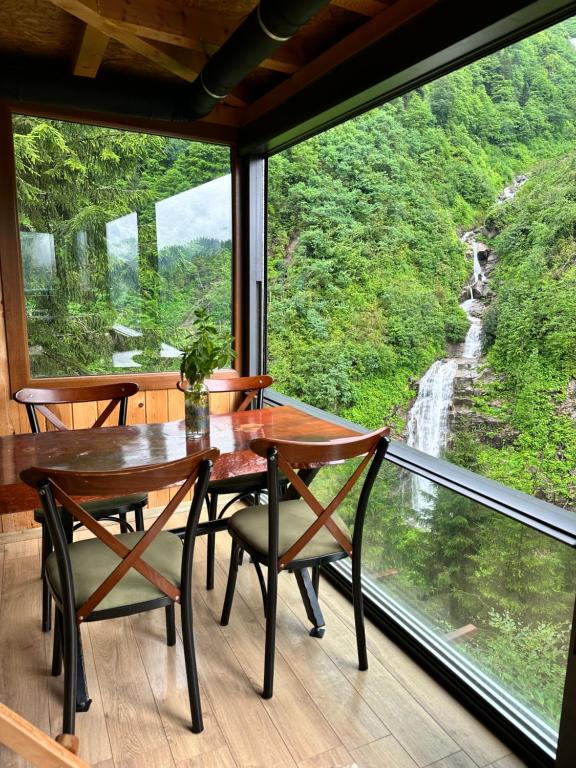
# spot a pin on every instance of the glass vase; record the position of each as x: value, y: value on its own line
x: 196, y: 413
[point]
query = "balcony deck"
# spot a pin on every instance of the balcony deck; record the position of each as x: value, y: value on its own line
x: 325, y: 713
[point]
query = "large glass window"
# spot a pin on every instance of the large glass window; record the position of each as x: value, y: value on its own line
x: 421, y: 273
x: 123, y: 236
x: 494, y: 598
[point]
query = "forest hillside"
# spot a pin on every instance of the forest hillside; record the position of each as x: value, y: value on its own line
x: 366, y: 266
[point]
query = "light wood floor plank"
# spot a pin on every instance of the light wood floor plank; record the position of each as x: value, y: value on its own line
x: 166, y: 672
x: 334, y: 758
x: 247, y: 726
x: 156, y: 758
x: 347, y: 712
x: 90, y: 726
x: 220, y: 758
x: 23, y: 662
x: 473, y: 737
x: 299, y: 720
x: 384, y: 753
x: 134, y: 725
x: 405, y: 718
x: 459, y: 760
x: 509, y: 761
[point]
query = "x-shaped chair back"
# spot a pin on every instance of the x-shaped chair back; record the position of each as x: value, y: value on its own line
x: 288, y: 455
x: 57, y: 486
x: 39, y: 400
x: 251, y: 386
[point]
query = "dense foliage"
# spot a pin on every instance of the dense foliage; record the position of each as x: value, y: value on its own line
x: 365, y: 265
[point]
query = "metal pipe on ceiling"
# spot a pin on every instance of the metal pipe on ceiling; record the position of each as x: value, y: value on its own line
x: 270, y: 24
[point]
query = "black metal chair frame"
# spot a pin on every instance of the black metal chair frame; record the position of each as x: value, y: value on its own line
x: 117, y: 514
x: 246, y: 488
x: 308, y: 587
x: 67, y: 641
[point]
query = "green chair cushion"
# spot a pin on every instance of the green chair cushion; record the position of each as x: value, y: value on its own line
x: 92, y: 561
x: 106, y: 507
x: 251, y: 526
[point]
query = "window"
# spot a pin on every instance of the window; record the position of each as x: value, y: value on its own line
x: 421, y: 273
x: 122, y: 236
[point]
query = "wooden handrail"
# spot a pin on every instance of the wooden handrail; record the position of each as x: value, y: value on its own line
x: 34, y: 745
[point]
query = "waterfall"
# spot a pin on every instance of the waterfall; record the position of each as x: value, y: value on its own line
x: 428, y: 421
x: 428, y: 424
x: 473, y: 341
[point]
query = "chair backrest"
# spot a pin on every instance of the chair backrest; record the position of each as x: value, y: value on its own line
x: 59, y: 486
x: 251, y: 386
x: 38, y: 400
x: 287, y: 455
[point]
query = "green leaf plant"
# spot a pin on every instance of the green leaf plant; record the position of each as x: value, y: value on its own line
x: 208, y: 348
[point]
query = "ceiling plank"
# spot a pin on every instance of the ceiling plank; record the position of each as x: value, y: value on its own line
x: 171, y: 17
x: 176, y: 23
x: 90, y: 52
x: 87, y: 11
x: 363, y: 7
x: 371, y: 31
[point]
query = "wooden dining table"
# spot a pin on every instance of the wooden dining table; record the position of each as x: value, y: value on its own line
x: 141, y: 444
x: 132, y: 446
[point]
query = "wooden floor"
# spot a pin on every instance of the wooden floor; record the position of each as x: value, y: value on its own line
x: 325, y: 713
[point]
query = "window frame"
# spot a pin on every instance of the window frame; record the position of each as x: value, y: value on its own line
x: 11, y: 276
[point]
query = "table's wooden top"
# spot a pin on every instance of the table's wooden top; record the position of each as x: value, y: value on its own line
x: 125, y: 447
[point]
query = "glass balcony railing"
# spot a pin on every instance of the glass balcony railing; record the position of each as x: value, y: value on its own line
x: 479, y: 578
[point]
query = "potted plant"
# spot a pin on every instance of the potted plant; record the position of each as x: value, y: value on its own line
x: 207, y: 349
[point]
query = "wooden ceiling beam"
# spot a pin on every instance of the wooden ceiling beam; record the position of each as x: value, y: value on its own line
x: 371, y: 31
x: 87, y: 11
x: 90, y: 52
x: 179, y: 24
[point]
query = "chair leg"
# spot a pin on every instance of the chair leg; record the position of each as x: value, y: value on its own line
x: 261, y: 581
x: 70, y: 644
x: 231, y: 585
x: 272, y: 598
x: 211, y: 544
x: 170, y: 625
x: 46, y: 596
x: 310, y: 601
x: 83, y: 700
x: 139, y: 518
x: 123, y: 526
x: 191, y: 670
x: 358, y: 601
x: 57, y: 645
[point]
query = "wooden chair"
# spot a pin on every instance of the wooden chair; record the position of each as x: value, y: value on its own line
x: 298, y: 534
x: 249, y: 389
x: 35, y: 746
x: 38, y: 401
x: 119, y: 575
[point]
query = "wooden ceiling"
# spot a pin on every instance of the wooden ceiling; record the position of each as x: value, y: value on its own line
x: 163, y: 41
x: 139, y: 59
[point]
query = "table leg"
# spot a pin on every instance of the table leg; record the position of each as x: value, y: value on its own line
x: 310, y: 600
